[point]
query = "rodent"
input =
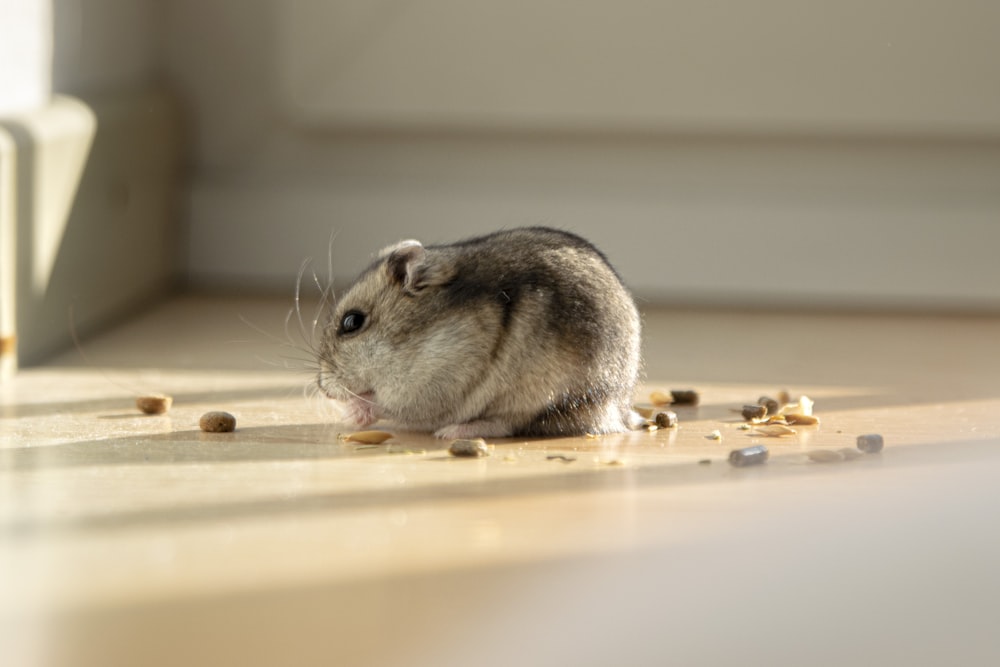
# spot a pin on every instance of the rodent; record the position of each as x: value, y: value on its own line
x: 522, y: 332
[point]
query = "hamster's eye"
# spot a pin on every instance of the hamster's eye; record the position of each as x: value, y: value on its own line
x: 351, y: 322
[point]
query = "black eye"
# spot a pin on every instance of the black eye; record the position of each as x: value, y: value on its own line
x: 351, y: 322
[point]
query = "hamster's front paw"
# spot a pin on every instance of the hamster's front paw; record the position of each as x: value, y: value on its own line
x: 476, y: 429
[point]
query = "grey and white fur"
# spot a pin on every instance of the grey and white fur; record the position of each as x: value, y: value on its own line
x: 523, y: 332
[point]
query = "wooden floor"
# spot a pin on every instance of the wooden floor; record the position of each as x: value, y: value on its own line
x: 139, y: 540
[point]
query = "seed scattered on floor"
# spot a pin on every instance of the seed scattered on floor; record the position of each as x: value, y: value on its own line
x: 475, y: 447
x: 802, y: 420
x: 660, y: 398
x: 154, y: 404
x: 751, y: 412
x: 666, y: 419
x: 560, y: 457
x: 773, y: 430
x: 805, y: 405
x: 715, y: 435
x: 748, y: 456
x: 217, y: 422
x: 684, y: 396
x: 644, y: 412
x: 705, y: 462
x: 366, y: 437
x: 744, y: 427
x: 870, y: 443
x: 825, y: 456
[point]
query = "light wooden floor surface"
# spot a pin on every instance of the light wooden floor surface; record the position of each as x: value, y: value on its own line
x: 139, y: 540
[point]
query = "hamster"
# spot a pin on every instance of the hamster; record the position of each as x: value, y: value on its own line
x: 523, y: 332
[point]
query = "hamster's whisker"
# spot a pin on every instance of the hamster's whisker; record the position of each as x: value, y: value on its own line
x: 357, y: 396
x: 326, y: 300
x: 298, y: 302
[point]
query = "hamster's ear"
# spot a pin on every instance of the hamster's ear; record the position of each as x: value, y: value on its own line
x: 409, y: 266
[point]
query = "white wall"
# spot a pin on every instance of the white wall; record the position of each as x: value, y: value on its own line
x: 791, y: 154
x: 90, y: 181
x: 105, y: 44
x: 25, y: 54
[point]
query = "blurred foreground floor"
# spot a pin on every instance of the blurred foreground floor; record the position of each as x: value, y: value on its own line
x: 139, y: 540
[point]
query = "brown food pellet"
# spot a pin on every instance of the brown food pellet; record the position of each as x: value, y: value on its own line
x: 217, y: 422
x: 751, y: 412
x: 772, y: 406
x: 685, y: 396
x: 666, y: 419
x: 154, y: 404
x: 469, y: 448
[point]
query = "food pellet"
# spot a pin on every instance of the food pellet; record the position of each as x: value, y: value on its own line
x: 825, y: 456
x: 471, y: 448
x: 217, y: 422
x: 666, y: 419
x: 772, y: 406
x: 715, y: 435
x: 367, y: 437
x: 748, y: 456
x: 684, y: 396
x: 754, y: 412
x: 154, y: 404
x: 870, y: 443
